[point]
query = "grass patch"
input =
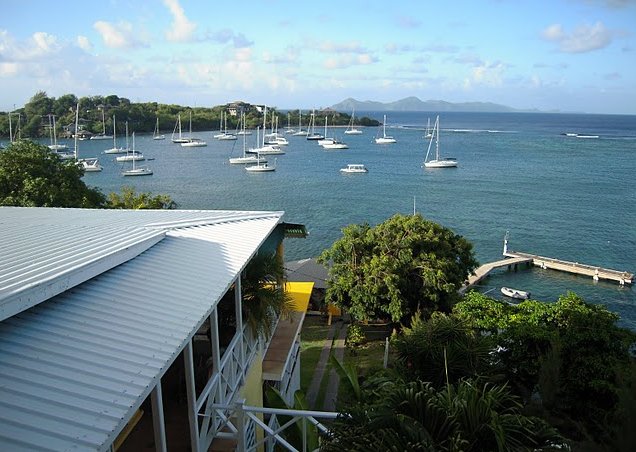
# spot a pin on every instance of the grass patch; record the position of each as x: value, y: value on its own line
x: 313, y: 335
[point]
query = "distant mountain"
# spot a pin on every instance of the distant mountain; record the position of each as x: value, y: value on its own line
x: 414, y: 104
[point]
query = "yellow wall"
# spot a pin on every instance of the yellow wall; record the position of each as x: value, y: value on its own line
x: 300, y: 293
x: 252, y: 390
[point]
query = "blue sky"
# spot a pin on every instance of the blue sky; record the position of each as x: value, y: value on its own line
x: 568, y: 55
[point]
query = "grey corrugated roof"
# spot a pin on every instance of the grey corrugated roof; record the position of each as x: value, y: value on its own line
x: 73, y: 369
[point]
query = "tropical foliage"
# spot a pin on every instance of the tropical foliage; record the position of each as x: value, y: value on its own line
x: 571, y: 353
x: 264, y: 297
x: 32, y: 120
x: 32, y: 176
x: 403, y: 265
x: 467, y: 416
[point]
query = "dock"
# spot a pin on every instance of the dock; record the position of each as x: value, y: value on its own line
x: 594, y: 272
x: 512, y: 259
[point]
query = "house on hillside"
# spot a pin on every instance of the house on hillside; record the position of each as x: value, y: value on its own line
x: 121, y: 329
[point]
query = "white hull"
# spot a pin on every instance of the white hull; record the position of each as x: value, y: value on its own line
x: 115, y: 151
x: 259, y: 168
x: 353, y: 168
x: 159, y: 137
x: 137, y: 172
x: 101, y: 137
x: 267, y: 150
x: 515, y: 293
x: 300, y: 133
x: 194, y: 144
x: 353, y: 132
x: 58, y: 147
x: 335, y: 145
x: 245, y: 160
x: 441, y: 164
x: 227, y: 137
x: 130, y: 158
x: 90, y: 165
x: 385, y: 140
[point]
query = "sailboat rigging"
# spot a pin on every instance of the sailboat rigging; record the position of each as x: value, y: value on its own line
x: 437, y: 162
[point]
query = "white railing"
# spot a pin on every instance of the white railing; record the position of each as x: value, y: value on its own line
x: 253, y: 433
x: 223, y: 387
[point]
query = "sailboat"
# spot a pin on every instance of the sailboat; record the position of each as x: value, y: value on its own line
x: 115, y: 149
x: 429, y: 132
x: 55, y: 146
x: 261, y: 166
x: 312, y: 135
x: 300, y: 132
x: 102, y: 136
x: 325, y: 140
x: 384, y: 139
x: 289, y: 128
x: 156, y: 135
x: 437, y: 162
x: 246, y: 159
x: 225, y: 136
x: 136, y: 170
x: 274, y: 137
x: 131, y: 154
x: 351, y: 130
x: 178, y: 138
x: 265, y: 149
x: 90, y: 165
x: 193, y: 142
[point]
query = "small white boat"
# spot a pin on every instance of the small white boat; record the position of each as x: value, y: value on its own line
x: 194, y: 143
x: 115, y: 149
x: 437, y: 161
x: 260, y: 167
x: 102, y: 136
x: 351, y: 130
x: 90, y: 165
x: 132, y: 155
x: 335, y: 144
x: 515, y: 293
x: 354, y: 168
x: 385, y: 139
x: 156, y: 135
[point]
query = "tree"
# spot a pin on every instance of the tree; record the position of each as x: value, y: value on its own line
x: 129, y: 199
x: 467, y: 416
x: 32, y: 176
x: 443, y: 349
x: 574, y: 342
x: 403, y: 265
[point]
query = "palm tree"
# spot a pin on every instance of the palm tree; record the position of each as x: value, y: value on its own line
x: 264, y: 296
x: 417, y: 417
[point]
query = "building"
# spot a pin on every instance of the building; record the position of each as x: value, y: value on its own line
x: 109, y: 318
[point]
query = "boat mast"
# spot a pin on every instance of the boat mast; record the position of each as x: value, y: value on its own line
x: 76, y: 131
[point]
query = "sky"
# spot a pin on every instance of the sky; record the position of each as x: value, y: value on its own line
x: 551, y: 55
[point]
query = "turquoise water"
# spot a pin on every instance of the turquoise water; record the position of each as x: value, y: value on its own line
x: 563, y: 197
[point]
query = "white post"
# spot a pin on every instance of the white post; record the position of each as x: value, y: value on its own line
x: 505, y: 247
x: 192, y: 398
x: 240, y: 425
x: 158, y: 421
x: 238, y: 306
x: 386, y: 353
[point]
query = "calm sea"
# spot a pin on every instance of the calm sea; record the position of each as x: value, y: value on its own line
x: 558, y: 196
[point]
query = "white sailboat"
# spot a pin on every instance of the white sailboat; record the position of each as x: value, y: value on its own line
x: 300, y: 132
x: 312, y: 135
x: 90, y: 165
x: 55, y: 146
x: 193, y: 142
x: 385, y: 139
x: 325, y: 140
x: 429, y: 132
x: 265, y: 149
x: 102, y: 136
x: 437, y: 161
x: 131, y: 154
x: 261, y: 166
x: 136, y: 170
x: 225, y: 136
x: 115, y: 149
x: 245, y: 159
x: 156, y: 135
x: 351, y: 130
x: 275, y: 138
x: 178, y: 138
x: 354, y: 168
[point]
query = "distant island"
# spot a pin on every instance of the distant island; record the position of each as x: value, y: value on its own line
x: 415, y: 104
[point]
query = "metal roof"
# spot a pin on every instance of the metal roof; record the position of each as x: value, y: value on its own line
x: 74, y: 369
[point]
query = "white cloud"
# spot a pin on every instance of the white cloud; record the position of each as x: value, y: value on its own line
x: 487, y: 74
x: 117, y: 36
x: 345, y: 61
x: 8, y: 69
x: 584, y: 38
x: 84, y: 43
x: 343, y: 47
x: 182, y: 28
x: 289, y: 56
x: 226, y: 35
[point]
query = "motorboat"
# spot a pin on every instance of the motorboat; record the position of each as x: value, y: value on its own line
x: 90, y: 165
x: 354, y: 168
x: 515, y: 293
